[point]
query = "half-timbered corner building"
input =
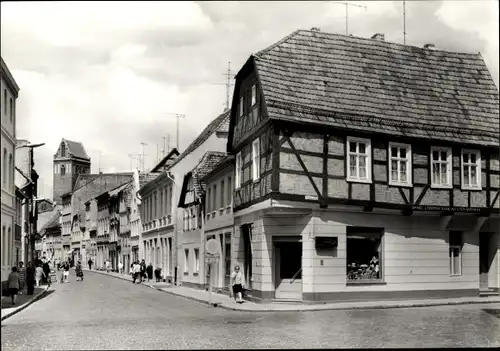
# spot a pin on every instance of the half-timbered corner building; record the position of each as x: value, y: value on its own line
x: 365, y: 170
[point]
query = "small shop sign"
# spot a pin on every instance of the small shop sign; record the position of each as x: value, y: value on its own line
x: 326, y: 242
x: 446, y: 209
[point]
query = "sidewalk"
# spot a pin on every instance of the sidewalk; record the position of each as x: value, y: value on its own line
x: 223, y: 301
x: 22, y: 301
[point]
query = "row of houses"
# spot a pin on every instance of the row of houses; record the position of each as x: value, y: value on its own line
x: 346, y: 169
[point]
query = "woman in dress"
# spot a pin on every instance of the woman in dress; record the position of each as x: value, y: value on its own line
x: 14, y: 284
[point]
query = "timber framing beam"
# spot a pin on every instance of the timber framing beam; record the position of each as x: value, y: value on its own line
x: 313, y: 183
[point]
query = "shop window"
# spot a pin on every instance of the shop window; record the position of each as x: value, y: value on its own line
x: 364, y: 254
x: 455, y: 254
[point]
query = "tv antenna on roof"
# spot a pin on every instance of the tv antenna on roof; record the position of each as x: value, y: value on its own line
x: 347, y: 13
x: 228, y: 84
x: 404, y: 22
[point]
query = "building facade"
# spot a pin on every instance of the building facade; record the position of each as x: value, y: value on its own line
x: 219, y: 220
x: 66, y: 219
x: 192, y: 201
x: 212, y: 138
x: 103, y: 230
x: 157, y: 235
x: 9, y: 91
x: 349, y: 187
x: 90, y: 242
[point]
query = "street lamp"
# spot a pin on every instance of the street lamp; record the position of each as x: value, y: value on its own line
x: 33, y: 178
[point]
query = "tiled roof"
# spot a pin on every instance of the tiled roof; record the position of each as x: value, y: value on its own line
x: 207, y: 163
x: 171, y: 155
x: 145, y: 178
x: 48, y: 219
x: 83, y: 179
x: 101, y: 184
x: 376, y: 86
x: 76, y: 149
x: 117, y: 190
x: 220, y: 124
x: 225, y: 161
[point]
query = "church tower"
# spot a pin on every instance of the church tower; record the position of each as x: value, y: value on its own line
x: 70, y: 160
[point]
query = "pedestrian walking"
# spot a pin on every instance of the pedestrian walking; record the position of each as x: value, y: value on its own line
x: 120, y: 267
x: 38, y: 275
x: 108, y: 266
x: 22, y: 277
x: 143, y: 270
x: 14, y: 284
x: 90, y: 264
x: 66, y: 271
x: 158, y: 274
x: 136, y: 272
x: 79, y: 271
x: 46, y: 271
x: 237, y: 282
x: 149, y: 271
x: 30, y: 278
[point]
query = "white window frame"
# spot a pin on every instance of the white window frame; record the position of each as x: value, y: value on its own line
x: 408, y: 159
x: 240, y: 107
x: 452, y: 267
x: 254, y: 95
x: 237, y: 178
x: 256, y: 159
x: 368, y: 153
x: 468, y: 186
x: 449, y: 162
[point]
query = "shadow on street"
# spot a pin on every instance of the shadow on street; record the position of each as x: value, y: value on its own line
x: 23, y: 299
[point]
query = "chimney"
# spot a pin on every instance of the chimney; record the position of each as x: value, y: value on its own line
x: 316, y: 29
x: 378, y: 36
x: 429, y: 47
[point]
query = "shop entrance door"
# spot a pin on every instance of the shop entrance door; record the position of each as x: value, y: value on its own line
x: 484, y: 260
x: 288, y: 270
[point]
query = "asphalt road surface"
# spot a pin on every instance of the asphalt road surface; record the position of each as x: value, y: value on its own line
x: 108, y: 313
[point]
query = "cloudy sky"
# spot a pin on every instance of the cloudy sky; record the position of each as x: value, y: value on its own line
x: 108, y: 74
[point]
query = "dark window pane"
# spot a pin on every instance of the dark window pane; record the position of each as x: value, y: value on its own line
x: 394, y: 152
x: 435, y: 155
x: 443, y: 155
x: 362, y: 148
x: 402, y: 152
x: 352, y: 147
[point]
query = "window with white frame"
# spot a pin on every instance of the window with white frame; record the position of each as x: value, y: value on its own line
x: 256, y: 159
x: 254, y: 95
x: 241, y: 107
x: 471, y: 169
x: 456, y: 244
x: 441, y: 167
x: 237, y: 180
x: 186, y: 261
x: 196, y: 260
x: 359, y: 160
x: 399, y: 164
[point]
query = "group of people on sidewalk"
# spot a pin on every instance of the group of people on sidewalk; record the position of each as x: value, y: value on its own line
x: 28, y: 277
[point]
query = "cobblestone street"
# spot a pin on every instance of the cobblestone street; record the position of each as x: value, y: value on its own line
x: 107, y: 313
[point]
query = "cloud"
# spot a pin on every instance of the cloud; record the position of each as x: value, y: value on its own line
x: 108, y: 73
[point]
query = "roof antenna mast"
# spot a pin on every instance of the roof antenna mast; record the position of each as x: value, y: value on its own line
x: 404, y: 22
x: 347, y: 13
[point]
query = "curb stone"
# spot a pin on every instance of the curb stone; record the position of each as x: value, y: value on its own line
x: 22, y: 307
x: 316, y: 309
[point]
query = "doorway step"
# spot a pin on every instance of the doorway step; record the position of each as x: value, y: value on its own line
x: 287, y: 301
x: 487, y: 293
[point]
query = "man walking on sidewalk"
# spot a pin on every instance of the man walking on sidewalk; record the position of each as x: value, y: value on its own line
x: 90, y: 264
